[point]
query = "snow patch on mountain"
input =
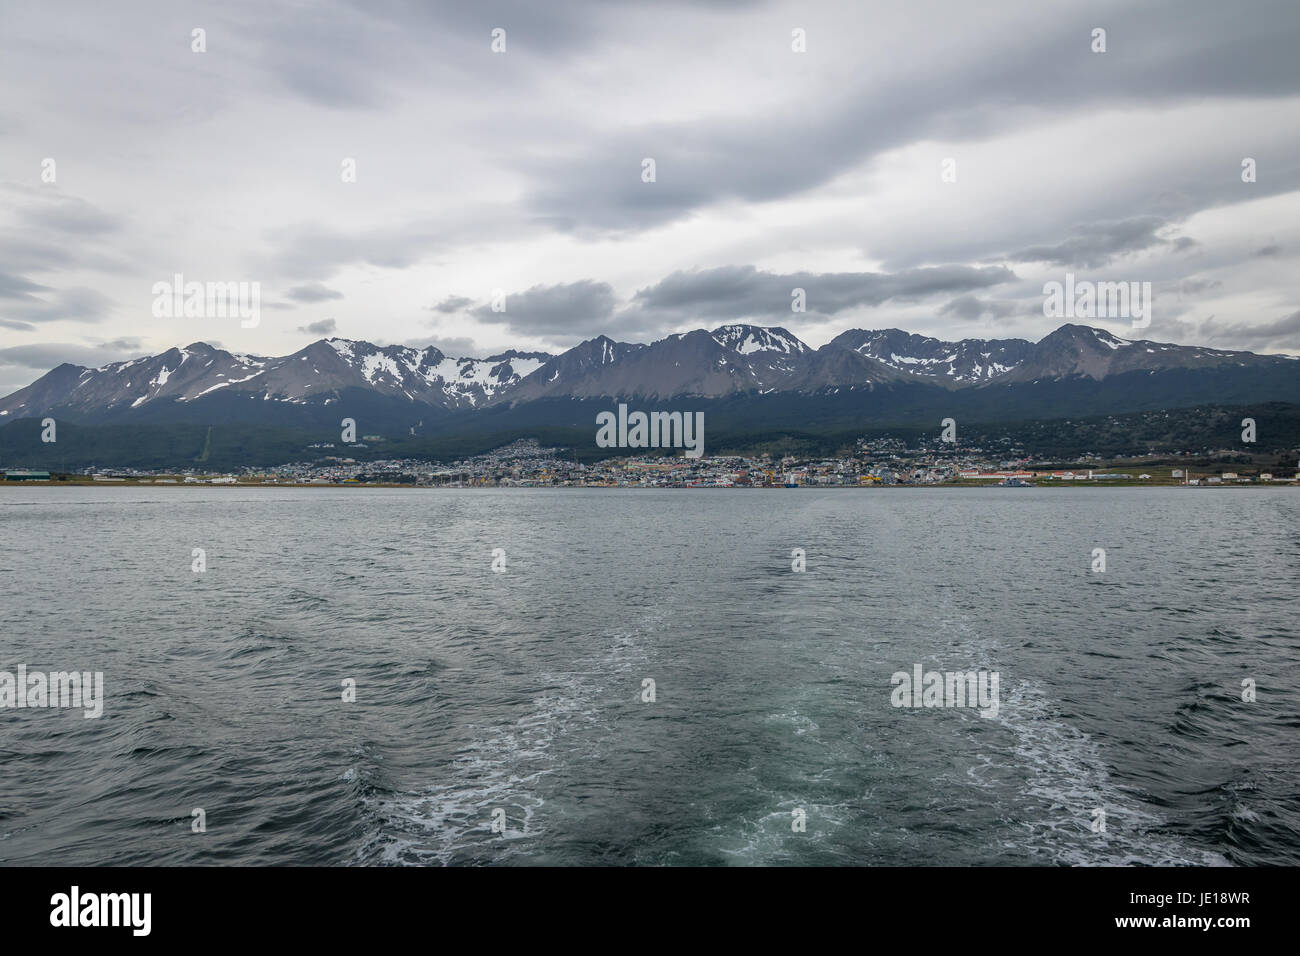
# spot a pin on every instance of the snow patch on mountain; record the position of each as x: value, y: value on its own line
x: 1113, y: 341
x: 748, y: 339
x: 371, y: 365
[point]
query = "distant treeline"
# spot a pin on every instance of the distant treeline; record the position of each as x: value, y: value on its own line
x: 730, y: 428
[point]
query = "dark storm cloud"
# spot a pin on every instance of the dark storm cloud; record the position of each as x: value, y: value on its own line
x: 1159, y: 53
x: 737, y: 292
x: 362, y: 54
x: 313, y: 292
x: 550, y: 137
x: 574, y: 308
x: 1096, y: 244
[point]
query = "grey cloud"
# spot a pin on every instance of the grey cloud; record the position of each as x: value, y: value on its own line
x: 1002, y: 68
x: 1096, y: 244
x: 551, y: 30
x: 323, y: 327
x: 737, y: 292
x: 970, y: 306
x: 568, y: 308
x: 313, y: 292
x: 1197, y: 286
x: 456, y: 347
x: 1270, y: 250
x: 26, y: 250
x: 21, y: 364
x: 47, y: 226
x: 316, y: 251
x: 70, y: 216
x: 359, y: 55
x: 1282, y: 334
x: 451, y: 304
x: 16, y: 287
x: 329, y: 56
x: 78, y: 304
x: 44, y: 356
x: 127, y: 344
x: 1161, y: 53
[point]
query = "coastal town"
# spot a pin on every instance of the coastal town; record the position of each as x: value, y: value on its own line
x: 876, y: 462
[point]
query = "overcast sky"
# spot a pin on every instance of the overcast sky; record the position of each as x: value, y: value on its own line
x: 521, y: 170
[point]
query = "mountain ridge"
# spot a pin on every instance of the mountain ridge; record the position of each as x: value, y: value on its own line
x: 181, y: 383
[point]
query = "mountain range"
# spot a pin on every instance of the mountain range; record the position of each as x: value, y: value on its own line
x: 411, y: 386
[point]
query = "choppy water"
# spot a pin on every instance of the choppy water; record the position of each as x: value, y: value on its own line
x: 522, y: 690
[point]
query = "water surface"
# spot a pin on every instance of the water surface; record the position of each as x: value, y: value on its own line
x: 522, y: 691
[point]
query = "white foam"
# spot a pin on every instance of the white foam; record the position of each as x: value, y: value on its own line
x: 449, y: 821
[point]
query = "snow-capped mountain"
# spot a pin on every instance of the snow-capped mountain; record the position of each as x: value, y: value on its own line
x: 1072, y: 350
x: 966, y: 362
x: 732, y: 358
x: 425, y: 375
x: 199, y: 382
x: 749, y: 339
x: 1097, y: 354
x: 183, y: 374
x: 313, y: 375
